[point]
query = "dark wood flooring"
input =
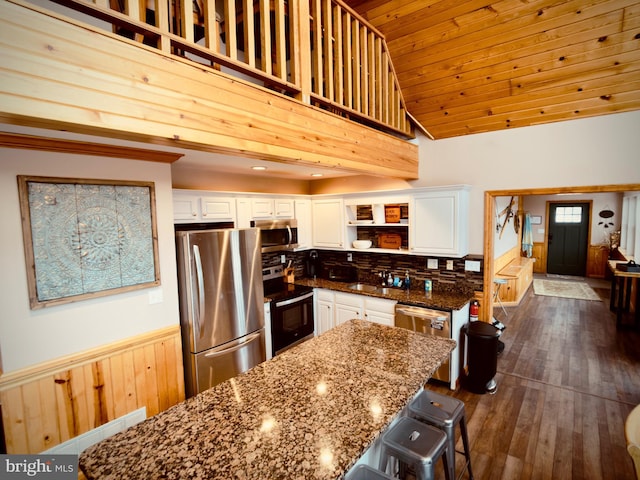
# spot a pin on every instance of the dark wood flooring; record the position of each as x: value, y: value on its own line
x: 567, y: 380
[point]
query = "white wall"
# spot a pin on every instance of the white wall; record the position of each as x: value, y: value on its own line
x: 506, y: 239
x: 591, y: 151
x: 28, y: 337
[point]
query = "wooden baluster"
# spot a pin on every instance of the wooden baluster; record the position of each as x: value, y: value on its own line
x: 230, y: 36
x: 280, y: 40
x: 265, y: 37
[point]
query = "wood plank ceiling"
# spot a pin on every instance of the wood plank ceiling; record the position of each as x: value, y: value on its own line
x: 478, y: 66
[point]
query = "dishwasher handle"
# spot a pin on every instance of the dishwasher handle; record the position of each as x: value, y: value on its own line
x: 421, y: 313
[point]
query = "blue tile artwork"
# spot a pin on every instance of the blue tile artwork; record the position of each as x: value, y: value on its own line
x: 90, y: 237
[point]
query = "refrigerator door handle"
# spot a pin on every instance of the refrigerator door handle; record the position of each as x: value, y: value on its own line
x: 200, y: 280
x: 224, y: 351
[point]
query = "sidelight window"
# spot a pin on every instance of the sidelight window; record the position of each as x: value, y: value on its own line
x: 568, y: 215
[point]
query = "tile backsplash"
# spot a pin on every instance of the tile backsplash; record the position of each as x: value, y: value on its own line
x: 369, y: 264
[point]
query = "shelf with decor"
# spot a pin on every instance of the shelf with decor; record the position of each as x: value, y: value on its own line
x: 380, y: 227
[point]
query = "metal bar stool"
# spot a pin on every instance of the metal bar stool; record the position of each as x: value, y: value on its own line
x: 365, y: 472
x: 444, y: 412
x: 416, y: 445
x: 496, y: 294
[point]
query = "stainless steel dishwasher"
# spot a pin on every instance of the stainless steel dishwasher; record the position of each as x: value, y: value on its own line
x: 425, y: 320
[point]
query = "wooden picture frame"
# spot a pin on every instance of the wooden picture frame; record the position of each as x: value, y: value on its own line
x: 536, y: 220
x: 87, y: 238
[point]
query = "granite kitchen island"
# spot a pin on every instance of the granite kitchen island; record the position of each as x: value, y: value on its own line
x: 310, y: 412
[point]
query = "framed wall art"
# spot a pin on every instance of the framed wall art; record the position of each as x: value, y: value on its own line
x: 87, y: 238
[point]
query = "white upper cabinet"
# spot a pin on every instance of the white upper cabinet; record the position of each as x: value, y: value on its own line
x: 190, y: 206
x: 328, y: 223
x: 271, y: 208
x: 302, y: 210
x: 262, y: 208
x: 284, y: 208
x: 218, y: 209
x: 439, y: 222
x: 186, y: 208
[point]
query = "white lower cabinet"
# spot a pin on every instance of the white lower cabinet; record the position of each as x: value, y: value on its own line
x: 323, y: 310
x: 334, y: 308
x: 380, y: 310
x: 348, y: 306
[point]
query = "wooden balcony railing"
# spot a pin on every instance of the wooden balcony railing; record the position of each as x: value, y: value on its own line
x: 318, y: 51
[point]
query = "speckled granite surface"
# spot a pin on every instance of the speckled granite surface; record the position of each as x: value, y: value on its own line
x: 308, y: 413
x: 440, y: 300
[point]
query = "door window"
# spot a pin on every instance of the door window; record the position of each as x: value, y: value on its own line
x: 568, y: 215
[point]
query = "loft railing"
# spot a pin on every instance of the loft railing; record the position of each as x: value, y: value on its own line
x: 318, y: 51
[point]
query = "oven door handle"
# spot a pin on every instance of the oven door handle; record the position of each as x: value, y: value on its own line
x: 291, y: 301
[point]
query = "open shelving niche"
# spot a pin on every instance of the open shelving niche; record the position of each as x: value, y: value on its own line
x: 361, y: 226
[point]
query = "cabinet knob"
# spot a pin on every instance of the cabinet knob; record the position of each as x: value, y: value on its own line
x: 194, y: 214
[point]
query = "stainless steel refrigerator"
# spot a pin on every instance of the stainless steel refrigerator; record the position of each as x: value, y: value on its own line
x: 221, y: 304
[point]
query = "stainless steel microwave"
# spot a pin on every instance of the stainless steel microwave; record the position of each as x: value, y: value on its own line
x: 277, y: 235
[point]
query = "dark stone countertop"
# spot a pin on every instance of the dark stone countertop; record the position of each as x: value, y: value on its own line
x: 439, y: 300
x: 310, y: 412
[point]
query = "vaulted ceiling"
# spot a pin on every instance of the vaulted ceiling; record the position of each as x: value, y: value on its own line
x: 477, y: 66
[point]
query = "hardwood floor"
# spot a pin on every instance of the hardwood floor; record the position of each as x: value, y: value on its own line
x: 567, y: 380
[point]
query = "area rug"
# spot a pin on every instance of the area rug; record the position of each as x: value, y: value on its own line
x: 565, y: 289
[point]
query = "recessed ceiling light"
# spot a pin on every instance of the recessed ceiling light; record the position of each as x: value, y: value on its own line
x: 258, y: 167
x: 316, y: 174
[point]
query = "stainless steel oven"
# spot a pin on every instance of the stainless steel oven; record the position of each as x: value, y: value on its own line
x: 292, y: 319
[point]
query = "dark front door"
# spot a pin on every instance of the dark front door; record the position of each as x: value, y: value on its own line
x: 568, y: 234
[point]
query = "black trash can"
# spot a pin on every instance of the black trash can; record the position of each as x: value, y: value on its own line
x: 482, y: 357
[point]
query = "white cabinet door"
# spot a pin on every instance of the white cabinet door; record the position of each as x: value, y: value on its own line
x: 218, y: 208
x: 185, y: 208
x: 243, y: 212
x: 348, y: 306
x: 303, y: 216
x: 328, y: 223
x: 324, y: 315
x: 323, y: 310
x: 439, y: 223
x: 284, y: 208
x: 261, y: 208
x: 380, y: 310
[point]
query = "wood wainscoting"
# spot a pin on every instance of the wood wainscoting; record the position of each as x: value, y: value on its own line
x: 47, y: 404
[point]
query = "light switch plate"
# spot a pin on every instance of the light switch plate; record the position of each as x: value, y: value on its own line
x: 155, y: 296
x: 472, y: 265
x: 432, y: 263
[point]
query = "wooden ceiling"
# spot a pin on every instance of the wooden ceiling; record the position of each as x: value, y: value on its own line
x: 478, y: 66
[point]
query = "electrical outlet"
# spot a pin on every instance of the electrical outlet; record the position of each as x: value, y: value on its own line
x: 349, y: 257
x: 283, y: 258
x: 432, y: 263
x: 449, y: 264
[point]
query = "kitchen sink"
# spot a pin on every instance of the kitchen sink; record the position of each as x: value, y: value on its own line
x: 384, y: 290
x: 363, y: 287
